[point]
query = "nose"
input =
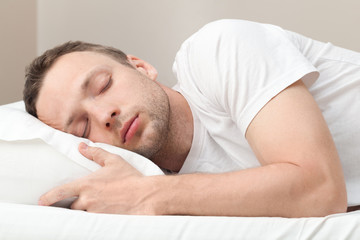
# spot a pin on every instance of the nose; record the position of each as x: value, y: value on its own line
x: 104, y: 116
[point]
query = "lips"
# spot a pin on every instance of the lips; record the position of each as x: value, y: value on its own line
x: 129, y: 129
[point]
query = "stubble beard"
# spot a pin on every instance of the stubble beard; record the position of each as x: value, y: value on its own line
x: 158, y: 110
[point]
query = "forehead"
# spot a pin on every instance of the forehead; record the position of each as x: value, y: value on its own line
x: 72, y: 65
x: 61, y: 86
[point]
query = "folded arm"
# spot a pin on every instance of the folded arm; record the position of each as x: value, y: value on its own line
x: 301, y: 174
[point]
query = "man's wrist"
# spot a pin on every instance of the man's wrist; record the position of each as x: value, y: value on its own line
x: 163, y: 195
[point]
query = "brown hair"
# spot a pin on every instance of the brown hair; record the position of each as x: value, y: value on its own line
x: 38, y: 68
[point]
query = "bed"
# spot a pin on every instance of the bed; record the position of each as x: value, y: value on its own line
x: 35, y: 158
x: 19, y: 221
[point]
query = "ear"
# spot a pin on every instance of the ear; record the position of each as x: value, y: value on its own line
x: 143, y: 67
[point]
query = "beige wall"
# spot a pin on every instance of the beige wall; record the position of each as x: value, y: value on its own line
x: 154, y: 29
x: 17, y: 45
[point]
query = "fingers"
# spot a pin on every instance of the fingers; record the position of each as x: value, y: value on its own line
x: 78, y: 205
x: 96, y: 154
x: 83, y: 147
x: 59, y: 193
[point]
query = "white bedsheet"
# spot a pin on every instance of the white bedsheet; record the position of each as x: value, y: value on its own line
x: 29, y: 222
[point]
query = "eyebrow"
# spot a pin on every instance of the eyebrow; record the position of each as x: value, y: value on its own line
x: 84, y: 86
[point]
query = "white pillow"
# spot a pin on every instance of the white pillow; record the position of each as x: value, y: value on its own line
x: 34, y: 157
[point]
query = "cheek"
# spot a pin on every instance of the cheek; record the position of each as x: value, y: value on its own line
x: 119, y: 94
x: 97, y: 135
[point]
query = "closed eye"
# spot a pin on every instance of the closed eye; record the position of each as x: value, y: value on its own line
x: 107, y: 86
x: 86, y: 128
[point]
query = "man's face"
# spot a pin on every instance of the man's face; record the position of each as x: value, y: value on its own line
x: 91, y: 95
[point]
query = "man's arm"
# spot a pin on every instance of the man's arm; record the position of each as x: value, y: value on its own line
x: 300, y: 175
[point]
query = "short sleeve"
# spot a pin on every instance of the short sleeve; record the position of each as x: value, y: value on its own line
x: 237, y: 66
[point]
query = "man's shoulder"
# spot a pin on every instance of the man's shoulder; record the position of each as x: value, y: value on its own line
x: 205, y: 57
x: 224, y: 26
x: 228, y: 24
x: 235, y: 33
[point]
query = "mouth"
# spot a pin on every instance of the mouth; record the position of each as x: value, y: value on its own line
x: 129, y: 129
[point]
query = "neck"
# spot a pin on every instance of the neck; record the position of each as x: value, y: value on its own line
x: 173, y: 154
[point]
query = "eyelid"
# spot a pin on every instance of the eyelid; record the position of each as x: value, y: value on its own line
x: 108, y: 84
x: 86, y: 128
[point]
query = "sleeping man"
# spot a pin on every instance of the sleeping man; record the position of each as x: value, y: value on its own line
x: 262, y: 122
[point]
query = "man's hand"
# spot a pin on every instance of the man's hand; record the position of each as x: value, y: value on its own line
x: 115, y: 188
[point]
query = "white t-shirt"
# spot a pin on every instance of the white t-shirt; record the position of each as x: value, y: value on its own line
x: 230, y: 69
